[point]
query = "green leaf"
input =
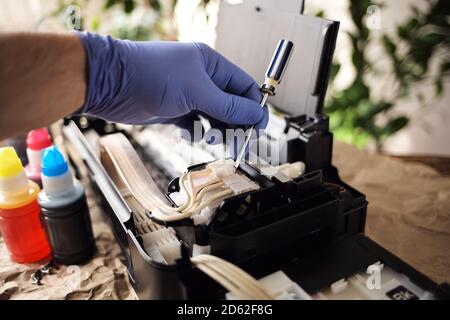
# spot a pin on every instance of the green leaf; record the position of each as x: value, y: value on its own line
x: 203, y: 3
x: 406, y: 30
x: 335, y: 67
x: 128, y: 6
x: 433, y: 39
x: 369, y: 109
x: 358, y: 91
x: 110, y: 3
x: 155, y: 4
x: 388, y: 44
x: 365, y: 33
x: 320, y: 14
x: 394, y: 125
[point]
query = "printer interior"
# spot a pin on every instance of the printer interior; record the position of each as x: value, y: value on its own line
x: 295, y: 233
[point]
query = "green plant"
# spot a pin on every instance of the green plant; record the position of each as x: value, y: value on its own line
x: 132, y: 19
x: 150, y: 23
x: 354, y: 111
x: 126, y: 23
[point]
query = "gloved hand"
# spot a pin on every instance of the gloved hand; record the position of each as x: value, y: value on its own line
x: 167, y: 82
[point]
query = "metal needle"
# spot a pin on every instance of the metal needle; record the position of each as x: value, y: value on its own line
x: 249, y: 135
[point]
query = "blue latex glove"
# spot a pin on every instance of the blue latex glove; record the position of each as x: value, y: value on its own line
x: 167, y: 82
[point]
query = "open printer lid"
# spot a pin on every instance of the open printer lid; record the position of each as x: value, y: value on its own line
x: 248, y: 32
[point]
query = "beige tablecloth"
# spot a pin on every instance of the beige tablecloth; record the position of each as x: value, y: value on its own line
x: 409, y: 214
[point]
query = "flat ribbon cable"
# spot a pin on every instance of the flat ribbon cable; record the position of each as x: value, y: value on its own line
x: 131, y: 170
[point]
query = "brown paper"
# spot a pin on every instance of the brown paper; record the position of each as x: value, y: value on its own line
x: 409, y: 214
x: 409, y: 207
x: 104, y: 277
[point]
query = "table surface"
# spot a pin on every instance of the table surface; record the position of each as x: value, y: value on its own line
x: 409, y: 214
x: 409, y: 206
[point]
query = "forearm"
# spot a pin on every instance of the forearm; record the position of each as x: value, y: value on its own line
x: 42, y: 78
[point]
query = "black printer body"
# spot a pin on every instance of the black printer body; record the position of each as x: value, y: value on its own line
x: 310, y: 229
x: 304, y: 237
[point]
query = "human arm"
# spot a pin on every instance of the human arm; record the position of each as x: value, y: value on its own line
x: 44, y: 77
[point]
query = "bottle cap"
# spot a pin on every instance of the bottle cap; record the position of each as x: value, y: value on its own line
x: 10, y: 164
x: 39, y: 139
x: 53, y: 162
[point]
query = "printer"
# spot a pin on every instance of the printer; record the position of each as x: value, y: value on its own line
x: 300, y: 236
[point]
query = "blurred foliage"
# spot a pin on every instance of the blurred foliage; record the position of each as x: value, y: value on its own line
x: 354, y: 112
x: 134, y: 19
x: 356, y: 115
